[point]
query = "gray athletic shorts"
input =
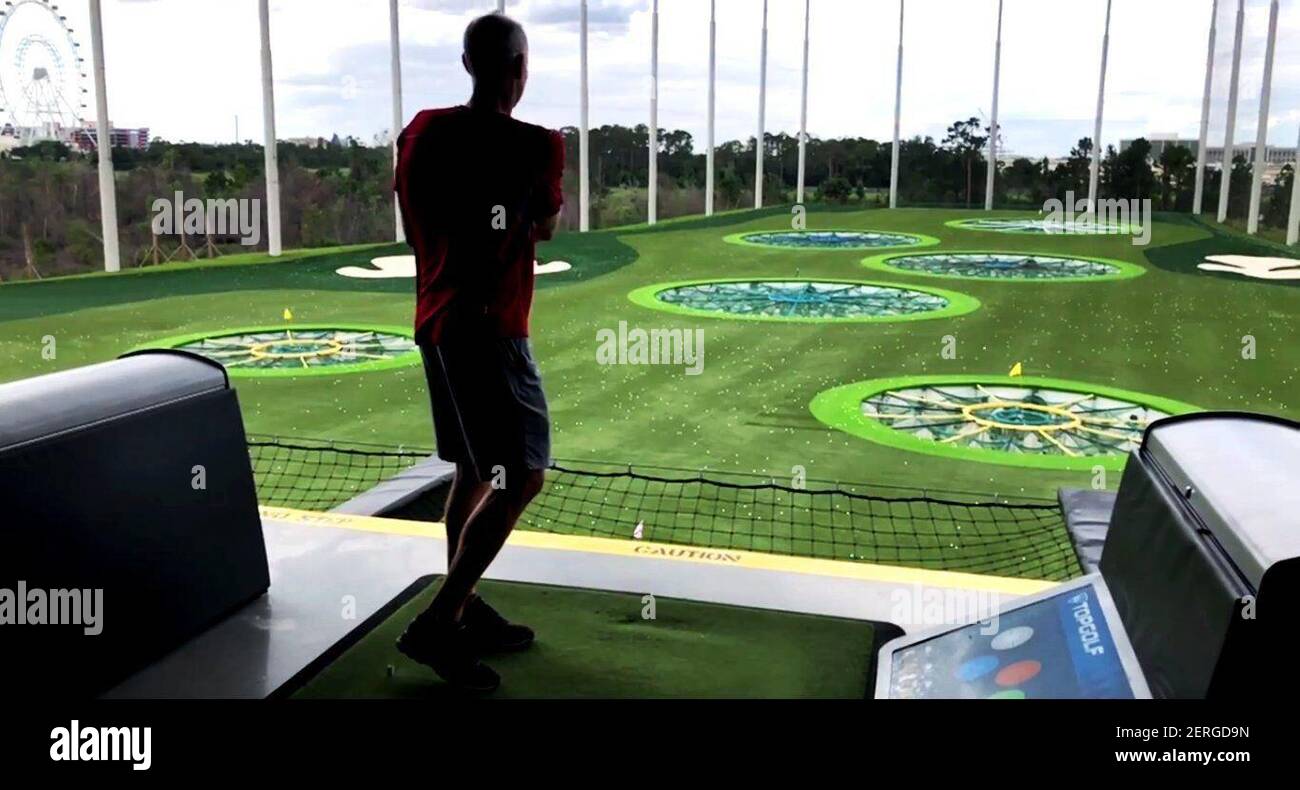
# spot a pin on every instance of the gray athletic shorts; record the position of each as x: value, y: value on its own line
x: 489, y: 409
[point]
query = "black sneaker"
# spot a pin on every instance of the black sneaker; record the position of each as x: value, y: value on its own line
x: 489, y: 632
x: 448, y: 650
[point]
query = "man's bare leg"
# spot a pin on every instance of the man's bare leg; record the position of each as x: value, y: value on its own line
x: 466, y: 496
x: 481, y: 538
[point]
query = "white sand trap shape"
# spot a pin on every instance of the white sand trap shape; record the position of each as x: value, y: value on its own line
x: 1253, y: 266
x: 395, y: 267
x: 551, y: 267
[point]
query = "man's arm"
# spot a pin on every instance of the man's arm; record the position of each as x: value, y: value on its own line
x: 550, y: 190
x: 544, y: 230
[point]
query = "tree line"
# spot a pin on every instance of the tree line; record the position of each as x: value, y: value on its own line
x: 339, y: 190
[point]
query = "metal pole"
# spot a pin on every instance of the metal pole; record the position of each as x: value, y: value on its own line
x: 713, y: 63
x: 268, y: 135
x: 1261, y: 134
x: 803, y: 106
x: 1199, y: 195
x: 653, y: 138
x: 501, y: 6
x: 399, y: 232
x: 762, y: 108
x: 1225, y: 180
x: 584, y: 175
x: 1095, y: 173
x: 898, y: 111
x: 1293, y: 222
x: 104, y: 147
x: 993, y: 127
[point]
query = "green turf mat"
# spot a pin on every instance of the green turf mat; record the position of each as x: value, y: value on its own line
x: 594, y: 644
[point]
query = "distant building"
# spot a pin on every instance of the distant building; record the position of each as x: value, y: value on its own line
x: 86, y: 139
x: 307, y: 142
x: 1160, y: 142
x: 1275, y: 156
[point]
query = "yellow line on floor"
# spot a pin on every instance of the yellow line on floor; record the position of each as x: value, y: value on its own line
x: 887, y: 574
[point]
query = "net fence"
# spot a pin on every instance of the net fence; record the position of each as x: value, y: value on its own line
x: 922, y: 528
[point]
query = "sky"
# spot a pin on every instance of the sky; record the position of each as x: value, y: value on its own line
x: 188, y: 68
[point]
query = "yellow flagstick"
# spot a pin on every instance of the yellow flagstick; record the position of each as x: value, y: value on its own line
x: 288, y: 316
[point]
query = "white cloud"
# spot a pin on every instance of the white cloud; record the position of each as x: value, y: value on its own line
x: 186, y: 68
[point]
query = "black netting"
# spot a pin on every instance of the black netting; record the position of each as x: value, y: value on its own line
x: 311, y: 474
x: 854, y: 522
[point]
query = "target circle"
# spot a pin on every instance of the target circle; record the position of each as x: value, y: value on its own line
x: 1020, y: 421
x: 1035, y: 226
x: 830, y: 239
x: 301, y: 350
x: 808, y: 301
x: 1013, y: 267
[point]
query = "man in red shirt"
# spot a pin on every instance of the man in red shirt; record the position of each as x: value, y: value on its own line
x: 477, y: 190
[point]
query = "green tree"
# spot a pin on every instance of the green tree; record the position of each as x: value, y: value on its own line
x: 1177, y: 176
x: 964, y: 139
x: 836, y: 190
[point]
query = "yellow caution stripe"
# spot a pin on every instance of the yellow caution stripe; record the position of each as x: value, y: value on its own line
x: 862, y: 571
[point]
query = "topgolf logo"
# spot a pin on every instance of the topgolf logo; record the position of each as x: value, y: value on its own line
x: 194, y: 217
x: 1108, y: 217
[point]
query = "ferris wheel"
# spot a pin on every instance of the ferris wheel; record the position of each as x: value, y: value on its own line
x: 42, y: 74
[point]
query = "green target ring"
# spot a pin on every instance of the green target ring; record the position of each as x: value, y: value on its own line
x: 1006, y: 267
x: 830, y: 239
x: 300, y: 349
x: 796, y: 300
x: 1031, y: 421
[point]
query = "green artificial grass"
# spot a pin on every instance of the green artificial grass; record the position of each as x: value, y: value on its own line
x: 594, y: 644
x: 1174, y: 332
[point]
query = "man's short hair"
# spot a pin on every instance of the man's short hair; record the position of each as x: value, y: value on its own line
x: 492, y: 42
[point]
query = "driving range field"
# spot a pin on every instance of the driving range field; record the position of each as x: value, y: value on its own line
x: 857, y: 362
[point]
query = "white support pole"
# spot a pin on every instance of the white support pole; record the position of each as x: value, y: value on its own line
x: 762, y: 108
x: 1225, y: 178
x: 1261, y: 134
x: 584, y: 175
x: 1198, y: 196
x: 993, y: 125
x: 898, y: 111
x: 713, y: 72
x: 395, y: 47
x: 803, y: 107
x: 652, y: 139
x: 1293, y: 222
x: 268, y: 135
x: 1095, y: 173
x: 104, y: 147
x: 501, y: 6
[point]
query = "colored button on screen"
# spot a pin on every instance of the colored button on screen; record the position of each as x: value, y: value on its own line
x: 1017, y: 673
x: 976, y: 668
x: 1012, y: 638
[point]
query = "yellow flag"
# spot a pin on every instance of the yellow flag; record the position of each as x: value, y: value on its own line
x: 288, y: 314
x: 1016, y: 370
